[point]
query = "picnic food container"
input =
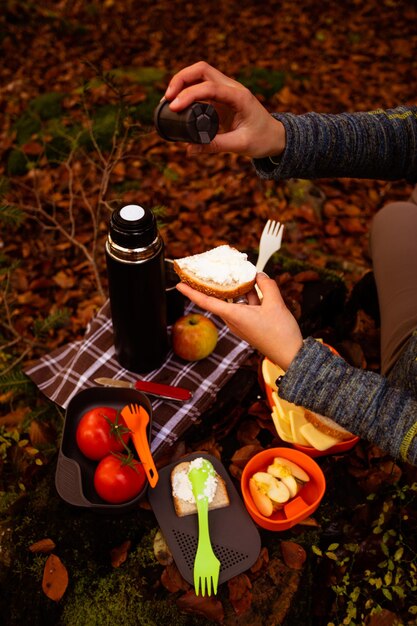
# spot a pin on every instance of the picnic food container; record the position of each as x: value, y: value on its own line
x: 296, y: 509
x: 273, y: 399
x: 136, y: 273
x: 74, y: 476
x: 234, y: 536
x: 197, y: 123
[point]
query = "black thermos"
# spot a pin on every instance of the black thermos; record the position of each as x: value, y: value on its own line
x: 136, y: 274
x: 198, y: 123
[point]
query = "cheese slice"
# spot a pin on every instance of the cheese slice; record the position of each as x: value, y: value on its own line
x: 282, y: 426
x: 270, y: 373
x: 285, y: 407
x: 297, y: 420
x: 317, y: 439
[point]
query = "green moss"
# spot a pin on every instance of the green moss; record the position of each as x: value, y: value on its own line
x: 142, y: 75
x: 17, y: 163
x: 293, y: 266
x: 104, y: 124
x: 262, y: 81
x: 44, y: 107
x: 144, y: 111
x: 7, y: 498
x: 144, y: 555
x: 47, y: 106
x: 117, y: 598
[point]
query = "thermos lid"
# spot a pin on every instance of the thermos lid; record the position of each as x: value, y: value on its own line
x: 132, y: 227
x: 198, y: 123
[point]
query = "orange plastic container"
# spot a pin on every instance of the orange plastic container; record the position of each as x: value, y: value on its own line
x: 338, y: 448
x: 305, y: 502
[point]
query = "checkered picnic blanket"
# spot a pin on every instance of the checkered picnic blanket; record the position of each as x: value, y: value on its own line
x: 69, y: 369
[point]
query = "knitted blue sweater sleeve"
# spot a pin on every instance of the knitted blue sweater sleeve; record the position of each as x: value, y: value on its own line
x: 363, y: 402
x: 376, y: 144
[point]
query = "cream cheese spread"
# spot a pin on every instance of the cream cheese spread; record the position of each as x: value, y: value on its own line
x: 222, y: 265
x: 181, y: 484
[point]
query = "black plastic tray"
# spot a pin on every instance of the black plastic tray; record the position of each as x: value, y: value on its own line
x: 234, y: 536
x: 74, y: 476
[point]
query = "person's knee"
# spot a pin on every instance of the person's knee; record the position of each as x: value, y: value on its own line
x: 394, y: 213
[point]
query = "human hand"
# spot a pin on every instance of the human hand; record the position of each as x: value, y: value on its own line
x: 246, y: 127
x: 268, y: 326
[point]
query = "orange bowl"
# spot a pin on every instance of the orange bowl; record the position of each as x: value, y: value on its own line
x: 338, y: 448
x: 305, y: 502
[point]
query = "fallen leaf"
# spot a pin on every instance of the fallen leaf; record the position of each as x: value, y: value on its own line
x: 306, y: 276
x: 384, y: 617
x: 260, y: 409
x: 293, y: 554
x: 39, y: 433
x: 240, y: 594
x: 14, y: 418
x: 353, y: 225
x: 161, y: 550
x: 172, y: 579
x: 309, y: 521
x: 119, y: 554
x: 248, y: 431
x: 55, y: 578
x: 32, y: 148
x: 261, y: 561
x: 5, y: 397
x: 207, y: 606
x: 43, y: 545
x: 242, y: 455
x: 65, y: 280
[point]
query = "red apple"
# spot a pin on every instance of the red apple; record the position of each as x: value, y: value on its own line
x: 194, y: 337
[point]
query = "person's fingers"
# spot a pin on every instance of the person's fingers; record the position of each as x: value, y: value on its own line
x: 214, y: 305
x: 222, y: 142
x: 253, y: 297
x: 268, y: 287
x: 196, y: 73
x: 207, y: 90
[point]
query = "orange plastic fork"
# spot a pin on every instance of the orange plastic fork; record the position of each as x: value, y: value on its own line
x: 137, y: 419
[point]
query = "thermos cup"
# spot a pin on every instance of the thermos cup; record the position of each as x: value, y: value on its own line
x: 136, y: 276
x: 197, y: 123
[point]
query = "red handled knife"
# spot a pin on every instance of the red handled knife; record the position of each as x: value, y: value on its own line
x: 153, y: 389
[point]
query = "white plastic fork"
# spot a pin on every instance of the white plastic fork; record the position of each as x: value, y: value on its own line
x: 270, y: 243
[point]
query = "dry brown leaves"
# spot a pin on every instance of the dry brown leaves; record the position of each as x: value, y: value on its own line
x: 207, y: 606
x: 43, y: 545
x: 240, y: 593
x: 119, y: 553
x: 55, y: 578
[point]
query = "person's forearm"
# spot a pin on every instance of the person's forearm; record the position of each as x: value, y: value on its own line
x: 376, y: 144
x: 360, y: 401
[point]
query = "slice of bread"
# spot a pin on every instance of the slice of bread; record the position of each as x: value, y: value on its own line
x: 223, y: 272
x: 327, y: 426
x: 184, y: 507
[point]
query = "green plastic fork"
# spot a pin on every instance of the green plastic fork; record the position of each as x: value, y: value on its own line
x: 206, y: 564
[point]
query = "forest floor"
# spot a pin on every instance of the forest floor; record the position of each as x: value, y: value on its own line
x: 78, y: 85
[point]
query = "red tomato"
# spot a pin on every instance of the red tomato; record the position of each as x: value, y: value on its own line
x: 117, y: 482
x: 100, y: 431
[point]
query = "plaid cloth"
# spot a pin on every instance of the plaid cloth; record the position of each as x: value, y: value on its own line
x: 69, y: 369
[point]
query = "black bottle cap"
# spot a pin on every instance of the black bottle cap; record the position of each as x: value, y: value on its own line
x: 197, y: 123
x: 132, y: 226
